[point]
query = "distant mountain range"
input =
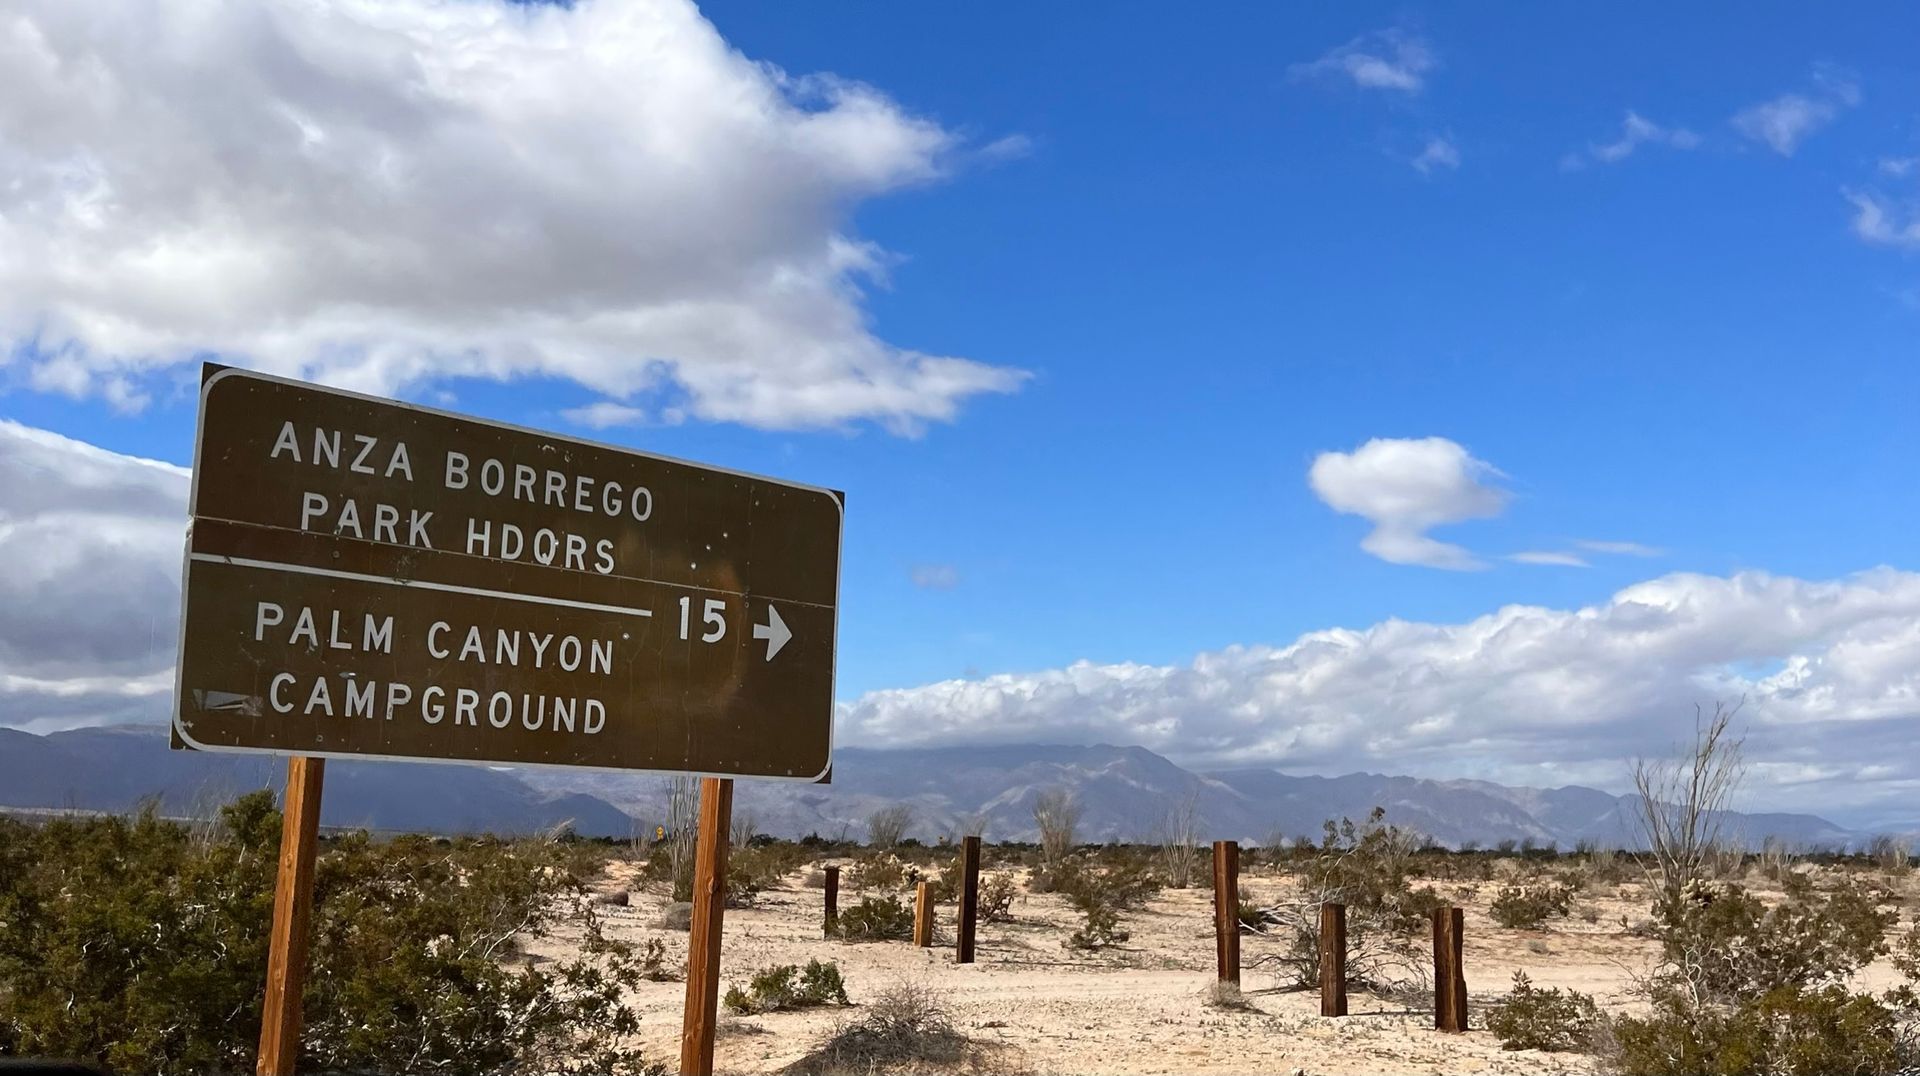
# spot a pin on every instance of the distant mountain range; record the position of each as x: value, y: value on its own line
x: 120, y: 768
x: 1124, y: 792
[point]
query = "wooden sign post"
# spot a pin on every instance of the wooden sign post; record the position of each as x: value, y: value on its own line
x: 1226, y: 910
x: 703, y: 937
x: 292, y: 908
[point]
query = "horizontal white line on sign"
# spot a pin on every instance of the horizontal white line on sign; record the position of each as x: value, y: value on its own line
x: 419, y: 584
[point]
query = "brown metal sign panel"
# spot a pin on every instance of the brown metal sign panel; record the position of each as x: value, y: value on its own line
x: 370, y: 579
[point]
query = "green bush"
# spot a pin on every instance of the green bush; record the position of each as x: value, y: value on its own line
x: 1530, y: 1018
x: 1528, y: 906
x: 789, y: 986
x: 1787, y: 1031
x: 137, y: 944
x: 1725, y: 945
x: 875, y: 919
x: 996, y: 898
x: 882, y: 871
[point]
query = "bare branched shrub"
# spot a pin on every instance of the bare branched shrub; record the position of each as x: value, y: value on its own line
x: 682, y: 824
x: 888, y: 825
x: 1175, y: 838
x: 1057, y: 812
x: 744, y: 825
x: 1683, y: 804
x: 1363, y: 866
x: 1890, y: 853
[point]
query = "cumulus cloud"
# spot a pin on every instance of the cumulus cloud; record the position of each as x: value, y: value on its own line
x: 935, y: 576
x: 1635, y: 131
x: 1406, y: 487
x: 1437, y: 153
x: 386, y: 193
x: 1385, y: 60
x: 1524, y: 695
x: 1785, y: 121
x: 89, y: 600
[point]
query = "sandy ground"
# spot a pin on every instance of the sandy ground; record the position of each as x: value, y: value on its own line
x: 1142, y: 1008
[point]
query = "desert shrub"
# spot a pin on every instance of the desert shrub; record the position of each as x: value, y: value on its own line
x: 131, y: 943
x: 1101, y: 895
x: 1531, y: 1018
x: 875, y: 919
x: 788, y: 986
x: 1786, y: 1031
x: 1529, y: 905
x: 755, y: 868
x: 1721, y: 943
x: 945, y: 886
x: 653, y: 962
x: 996, y: 898
x: 877, y: 871
x: 905, y: 1027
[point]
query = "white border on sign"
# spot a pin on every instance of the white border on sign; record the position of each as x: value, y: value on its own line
x: 187, y: 559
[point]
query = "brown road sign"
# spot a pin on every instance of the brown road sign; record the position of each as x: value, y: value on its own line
x: 370, y: 579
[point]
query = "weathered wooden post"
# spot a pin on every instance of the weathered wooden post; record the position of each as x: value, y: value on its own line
x: 831, y: 921
x: 1226, y: 910
x: 1449, y: 975
x: 1333, y: 959
x: 292, y: 908
x: 923, y: 915
x: 969, y: 898
x: 703, y: 936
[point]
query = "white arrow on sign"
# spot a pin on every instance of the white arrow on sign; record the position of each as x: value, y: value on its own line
x: 774, y: 631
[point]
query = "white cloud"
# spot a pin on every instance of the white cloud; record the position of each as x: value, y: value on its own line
x: 1438, y: 153
x: 1785, y: 121
x: 1635, y: 131
x: 1523, y: 695
x: 1879, y: 221
x: 382, y: 193
x: 935, y: 576
x: 1549, y: 558
x: 1900, y: 166
x: 1619, y: 549
x: 1406, y: 487
x: 89, y: 597
x: 1386, y: 60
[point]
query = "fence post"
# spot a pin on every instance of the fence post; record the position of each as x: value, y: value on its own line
x: 1449, y: 976
x: 831, y: 922
x: 1333, y: 960
x: 969, y: 897
x: 923, y: 915
x: 1226, y: 910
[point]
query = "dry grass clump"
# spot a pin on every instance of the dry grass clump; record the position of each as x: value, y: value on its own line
x: 905, y: 1028
x: 1226, y: 996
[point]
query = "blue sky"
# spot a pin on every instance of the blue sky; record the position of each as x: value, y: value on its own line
x: 1632, y: 276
